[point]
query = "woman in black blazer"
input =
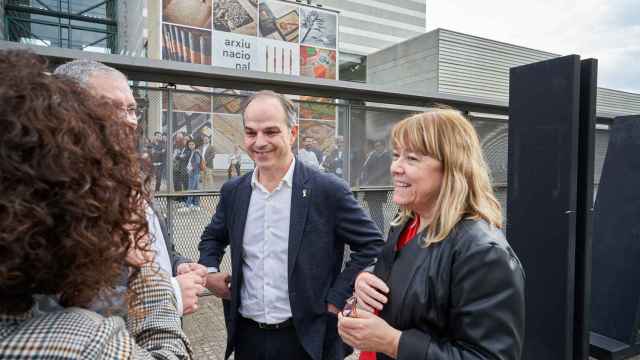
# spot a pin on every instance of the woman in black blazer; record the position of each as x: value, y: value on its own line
x: 447, y: 285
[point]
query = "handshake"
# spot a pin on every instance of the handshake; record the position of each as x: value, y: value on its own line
x: 192, y: 278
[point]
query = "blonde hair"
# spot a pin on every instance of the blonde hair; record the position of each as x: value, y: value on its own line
x: 466, y: 192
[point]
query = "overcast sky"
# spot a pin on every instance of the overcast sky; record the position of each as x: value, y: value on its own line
x: 608, y: 30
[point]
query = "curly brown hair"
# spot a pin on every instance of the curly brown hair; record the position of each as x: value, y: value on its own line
x: 72, y: 203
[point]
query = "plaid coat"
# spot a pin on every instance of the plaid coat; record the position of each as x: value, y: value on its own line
x: 76, y: 333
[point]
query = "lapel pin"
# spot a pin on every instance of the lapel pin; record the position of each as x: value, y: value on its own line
x: 304, y: 193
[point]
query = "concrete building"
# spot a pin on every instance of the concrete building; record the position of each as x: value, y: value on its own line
x: 368, y: 26
x: 449, y: 62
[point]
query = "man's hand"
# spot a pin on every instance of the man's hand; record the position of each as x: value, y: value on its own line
x: 190, y: 286
x: 192, y: 267
x: 332, y: 309
x: 219, y: 283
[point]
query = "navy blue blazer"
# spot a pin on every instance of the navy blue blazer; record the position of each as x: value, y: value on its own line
x: 324, y: 218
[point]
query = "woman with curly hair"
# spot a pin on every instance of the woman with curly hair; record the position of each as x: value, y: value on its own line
x: 447, y: 285
x: 72, y: 216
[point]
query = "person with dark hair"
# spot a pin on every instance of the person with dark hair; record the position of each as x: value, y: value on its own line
x: 158, y: 158
x: 306, y: 154
x: 334, y: 162
x: 73, y: 215
x: 375, y: 172
x: 194, y: 159
x: 287, y: 225
x: 447, y: 284
x: 108, y: 83
x: 234, y: 162
x: 181, y: 156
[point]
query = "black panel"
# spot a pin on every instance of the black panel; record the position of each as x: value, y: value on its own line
x: 543, y: 150
x: 615, y: 301
x: 584, y: 208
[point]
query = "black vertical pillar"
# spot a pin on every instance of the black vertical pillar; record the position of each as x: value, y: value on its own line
x: 542, y: 198
x: 616, y: 240
x: 584, y: 208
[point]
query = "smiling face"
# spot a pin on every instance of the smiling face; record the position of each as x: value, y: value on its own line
x: 417, y: 180
x: 267, y: 138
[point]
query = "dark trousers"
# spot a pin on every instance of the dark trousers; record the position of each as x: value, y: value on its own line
x: 180, y: 182
x: 159, y: 175
x: 253, y: 343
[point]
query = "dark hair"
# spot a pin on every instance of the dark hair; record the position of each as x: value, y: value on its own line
x: 72, y: 194
x: 157, y: 133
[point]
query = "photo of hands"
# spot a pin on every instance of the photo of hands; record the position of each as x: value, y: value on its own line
x: 194, y: 13
x: 236, y: 16
x: 279, y: 21
x: 186, y: 44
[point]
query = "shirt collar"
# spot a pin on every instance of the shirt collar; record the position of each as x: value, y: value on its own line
x: 287, y: 179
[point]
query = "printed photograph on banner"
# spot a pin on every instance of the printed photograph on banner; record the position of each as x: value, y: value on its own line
x: 228, y: 102
x: 236, y: 16
x: 185, y: 44
x: 194, y: 125
x: 317, y: 108
x: 227, y: 139
x: 236, y: 51
x: 278, y: 57
x: 317, y: 63
x: 227, y: 132
x: 318, y: 28
x: 190, y: 100
x: 278, y: 21
x: 195, y: 13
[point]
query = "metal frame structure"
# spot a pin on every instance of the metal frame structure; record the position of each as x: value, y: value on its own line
x: 159, y: 71
x: 65, y: 16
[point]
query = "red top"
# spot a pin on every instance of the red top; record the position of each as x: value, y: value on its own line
x: 406, y: 236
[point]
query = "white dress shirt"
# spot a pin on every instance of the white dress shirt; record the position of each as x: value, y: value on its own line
x: 264, y: 291
x: 162, y: 259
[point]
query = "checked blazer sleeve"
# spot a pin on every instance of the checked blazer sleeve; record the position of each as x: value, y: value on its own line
x: 153, y: 321
x: 153, y: 330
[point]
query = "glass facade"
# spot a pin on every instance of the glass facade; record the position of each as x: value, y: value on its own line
x: 88, y: 25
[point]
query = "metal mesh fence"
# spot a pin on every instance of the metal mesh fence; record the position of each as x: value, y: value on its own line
x: 170, y: 115
x: 186, y: 224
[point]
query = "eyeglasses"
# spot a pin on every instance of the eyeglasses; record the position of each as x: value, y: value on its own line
x: 134, y: 112
x: 351, y: 307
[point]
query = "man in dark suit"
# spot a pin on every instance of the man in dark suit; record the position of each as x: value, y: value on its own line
x: 287, y: 226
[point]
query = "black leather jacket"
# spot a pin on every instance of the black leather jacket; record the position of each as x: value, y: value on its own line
x: 461, y: 298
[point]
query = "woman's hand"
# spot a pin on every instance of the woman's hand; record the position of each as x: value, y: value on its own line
x: 368, y: 332
x: 371, y: 291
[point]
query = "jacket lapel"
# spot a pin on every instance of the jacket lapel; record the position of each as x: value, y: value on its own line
x: 410, y: 258
x: 239, y: 218
x: 385, y: 263
x: 300, y: 198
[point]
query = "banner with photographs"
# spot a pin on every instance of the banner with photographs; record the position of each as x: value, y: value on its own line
x: 252, y: 35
